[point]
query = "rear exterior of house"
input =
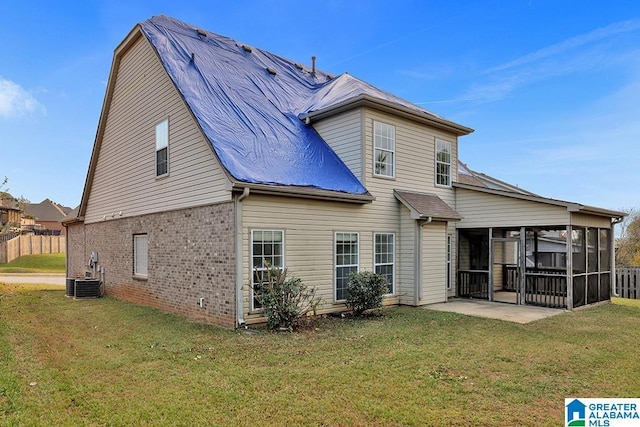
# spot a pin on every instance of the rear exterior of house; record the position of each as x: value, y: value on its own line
x: 323, y: 241
x: 166, y: 222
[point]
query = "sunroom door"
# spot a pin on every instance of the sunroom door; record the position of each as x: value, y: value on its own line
x: 506, y: 270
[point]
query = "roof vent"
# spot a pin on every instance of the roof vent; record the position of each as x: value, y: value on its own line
x: 271, y: 71
x: 202, y: 33
x: 247, y: 48
x: 193, y: 57
x: 313, y: 65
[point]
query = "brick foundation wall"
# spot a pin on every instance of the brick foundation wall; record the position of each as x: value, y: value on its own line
x: 191, y: 255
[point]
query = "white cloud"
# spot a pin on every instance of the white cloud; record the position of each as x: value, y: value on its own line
x: 590, y: 51
x: 571, y: 43
x: 15, y: 101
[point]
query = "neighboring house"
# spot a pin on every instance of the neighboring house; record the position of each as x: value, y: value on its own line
x: 10, y: 213
x: 47, y: 217
x: 212, y: 156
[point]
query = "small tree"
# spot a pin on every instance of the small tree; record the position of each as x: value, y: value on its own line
x: 285, y: 301
x: 628, y: 245
x: 365, y: 291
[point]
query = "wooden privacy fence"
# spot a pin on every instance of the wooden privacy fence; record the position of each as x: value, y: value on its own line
x: 628, y: 282
x: 31, y: 245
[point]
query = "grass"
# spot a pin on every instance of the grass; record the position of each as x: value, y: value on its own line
x: 106, y: 362
x: 48, y: 263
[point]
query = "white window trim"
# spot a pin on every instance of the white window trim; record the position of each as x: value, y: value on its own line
x: 252, y: 268
x: 335, y: 261
x: 136, y: 273
x: 393, y: 263
x: 393, y: 152
x: 158, y: 125
x: 437, y: 162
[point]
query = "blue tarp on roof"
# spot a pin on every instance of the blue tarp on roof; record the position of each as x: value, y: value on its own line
x: 249, y: 114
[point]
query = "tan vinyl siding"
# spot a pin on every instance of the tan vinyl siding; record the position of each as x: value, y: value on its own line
x: 415, y: 157
x: 481, y: 210
x: 451, y: 230
x: 344, y: 134
x: 584, y: 220
x: 310, y: 225
x: 434, y: 246
x: 407, y: 253
x: 125, y: 179
x: 309, y: 228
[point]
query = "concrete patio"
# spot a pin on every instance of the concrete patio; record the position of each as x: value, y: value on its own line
x: 496, y: 310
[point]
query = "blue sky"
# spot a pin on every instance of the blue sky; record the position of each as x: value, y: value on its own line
x: 552, y: 88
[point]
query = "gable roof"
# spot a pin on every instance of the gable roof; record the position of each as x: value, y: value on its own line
x: 47, y: 210
x: 8, y: 202
x: 247, y: 102
x: 255, y: 109
x: 264, y: 100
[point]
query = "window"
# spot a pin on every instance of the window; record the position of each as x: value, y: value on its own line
x: 384, y: 143
x: 346, y: 261
x: 384, y: 257
x: 162, y: 148
x: 443, y: 162
x: 449, y: 261
x: 140, y: 255
x: 267, y: 250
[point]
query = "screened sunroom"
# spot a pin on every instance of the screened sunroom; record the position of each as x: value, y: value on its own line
x: 513, y: 255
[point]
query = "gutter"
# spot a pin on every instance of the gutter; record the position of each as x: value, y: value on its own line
x: 239, y: 262
x: 303, y: 192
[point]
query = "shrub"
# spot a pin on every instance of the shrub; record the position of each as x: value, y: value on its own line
x: 365, y: 291
x: 285, y: 301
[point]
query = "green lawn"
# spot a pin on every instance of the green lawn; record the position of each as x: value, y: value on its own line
x: 49, y: 263
x: 106, y: 362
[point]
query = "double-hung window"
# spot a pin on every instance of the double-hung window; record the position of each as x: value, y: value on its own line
x: 267, y: 251
x: 162, y: 148
x: 384, y: 257
x: 384, y: 148
x: 140, y: 255
x: 346, y: 261
x: 443, y: 162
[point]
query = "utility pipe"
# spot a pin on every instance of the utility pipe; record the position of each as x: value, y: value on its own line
x: 239, y: 262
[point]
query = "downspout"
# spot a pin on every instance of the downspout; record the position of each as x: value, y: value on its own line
x: 612, y: 245
x: 418, y: 259
x: 239, y: 261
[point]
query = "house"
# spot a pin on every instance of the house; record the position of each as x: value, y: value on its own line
x: 213, y: 156
x: 10, y: 213
x: 47, y: 217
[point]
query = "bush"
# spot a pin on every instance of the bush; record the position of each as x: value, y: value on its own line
x: 365, y: 291
x: 285, y: 301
